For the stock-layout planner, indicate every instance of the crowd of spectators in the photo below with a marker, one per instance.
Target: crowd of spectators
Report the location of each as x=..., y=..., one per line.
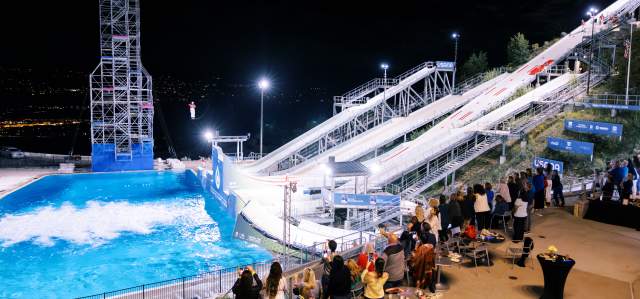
x=620, y=180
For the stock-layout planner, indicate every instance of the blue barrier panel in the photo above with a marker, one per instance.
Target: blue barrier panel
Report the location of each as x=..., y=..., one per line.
x=593, y=127
x=611, y=106
x=103, y=157
x=572, y=146
x=542, y=162
x=365, y=200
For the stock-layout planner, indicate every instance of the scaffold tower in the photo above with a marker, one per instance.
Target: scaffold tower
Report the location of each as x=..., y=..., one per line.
x=121, y=93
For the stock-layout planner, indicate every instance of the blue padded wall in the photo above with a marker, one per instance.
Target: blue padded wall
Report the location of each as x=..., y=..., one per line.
x=103, y=158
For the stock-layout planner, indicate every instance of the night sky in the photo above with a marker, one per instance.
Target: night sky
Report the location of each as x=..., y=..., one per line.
x=299, y=44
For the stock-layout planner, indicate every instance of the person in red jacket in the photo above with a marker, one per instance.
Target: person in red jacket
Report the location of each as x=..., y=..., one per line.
x=368, y=254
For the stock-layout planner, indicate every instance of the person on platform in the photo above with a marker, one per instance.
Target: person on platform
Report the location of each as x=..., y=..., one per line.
x=488, y=189
x=244, y=286
x=393, y=256
x=557, y=188
x=538, y=186
x=374, y=280
x=627, y=187
x=468, y=211
x=369, y=253
x=443, y=209
x=275, y=284
x=327, y=263
x=607, y=189
x=339, y=286
x=503, y=189
x=481, y=207
x=455, y=213
x=514, y=188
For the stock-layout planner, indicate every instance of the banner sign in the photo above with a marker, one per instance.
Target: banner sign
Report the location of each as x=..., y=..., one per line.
x=593, y=127
x=611, y=106
x=445, y=64
x=572, y=146
x=365, y=200
x=542, y=162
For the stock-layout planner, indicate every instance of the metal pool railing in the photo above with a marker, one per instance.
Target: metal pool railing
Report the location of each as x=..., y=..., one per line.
x=205, y=285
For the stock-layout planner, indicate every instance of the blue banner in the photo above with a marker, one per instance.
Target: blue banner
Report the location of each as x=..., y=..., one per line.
x=593, y=127
x=542, y=162
x=445, y=64
x=572, y=146
x=365, y=200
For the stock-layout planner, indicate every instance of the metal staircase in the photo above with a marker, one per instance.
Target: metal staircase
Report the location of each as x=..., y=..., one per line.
x=362, y=93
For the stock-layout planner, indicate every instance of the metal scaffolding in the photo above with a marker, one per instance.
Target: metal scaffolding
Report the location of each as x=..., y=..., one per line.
x=120, y=87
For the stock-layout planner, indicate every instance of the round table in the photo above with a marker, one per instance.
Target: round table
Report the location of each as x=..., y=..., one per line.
x=411, y=293
x=555, y=273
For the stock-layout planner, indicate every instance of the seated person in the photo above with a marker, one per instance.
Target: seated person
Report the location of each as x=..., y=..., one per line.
x=501, y=205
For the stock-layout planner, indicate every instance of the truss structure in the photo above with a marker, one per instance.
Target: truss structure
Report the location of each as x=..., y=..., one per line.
x=120, y=87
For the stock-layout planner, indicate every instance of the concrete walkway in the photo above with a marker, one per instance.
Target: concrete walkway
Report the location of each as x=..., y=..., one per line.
x=13, y=178
x=606, y=257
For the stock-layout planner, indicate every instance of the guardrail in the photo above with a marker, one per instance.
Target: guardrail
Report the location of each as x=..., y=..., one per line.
x=203, y=285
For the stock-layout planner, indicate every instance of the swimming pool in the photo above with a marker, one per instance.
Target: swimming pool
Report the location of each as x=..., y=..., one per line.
x=72, y=235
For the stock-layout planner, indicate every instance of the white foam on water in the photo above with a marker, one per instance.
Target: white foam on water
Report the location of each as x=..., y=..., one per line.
x=99, y=222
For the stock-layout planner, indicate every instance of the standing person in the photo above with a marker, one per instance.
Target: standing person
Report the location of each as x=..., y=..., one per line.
x=488, y=189
x=538, y=186
x=244, y=286
x=339, y=286
x=428, y=235
x=547, y=184
x=308, y=284
x=275, y=284
x=481, y=206
x=455, y=213
x=607, y=189
x=327, y=263
x=374, y=281
x=636, y=164
x=423, y=265
x=369, y=254
x=468, y=211
x=355, y=271
x=556, y=185
x=519, y=218
x=503, y=190
x=393, y=256
x=443, y=209
x=514, y=188
x=434, y=222
x=627, y=187
x=527, y=195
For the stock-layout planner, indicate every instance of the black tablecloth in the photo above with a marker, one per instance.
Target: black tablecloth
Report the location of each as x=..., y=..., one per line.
x=613, y=213
x=555, y=275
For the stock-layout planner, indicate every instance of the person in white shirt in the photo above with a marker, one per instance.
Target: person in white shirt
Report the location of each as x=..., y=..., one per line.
x=519, y=218
x=481, y=207
x=275, y=284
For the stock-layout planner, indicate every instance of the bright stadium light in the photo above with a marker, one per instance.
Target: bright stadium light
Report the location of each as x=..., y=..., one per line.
x=384, y=66
x=326, y=169
x=208, y=135
x=264, y=84
x=455, y=35
x=592, y=12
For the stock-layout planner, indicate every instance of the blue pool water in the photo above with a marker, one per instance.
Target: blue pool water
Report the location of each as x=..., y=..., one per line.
x=73, y=235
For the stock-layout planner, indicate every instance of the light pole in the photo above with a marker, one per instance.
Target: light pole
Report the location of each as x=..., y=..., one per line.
x=263, y=84
x=384, y=68
x=626, y=91
x=592, y=16
x=455, y=37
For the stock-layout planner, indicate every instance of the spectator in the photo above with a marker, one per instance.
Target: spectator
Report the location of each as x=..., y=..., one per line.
x=627, y=187
x=244, y=287
x=519, y=218
x=556, y=185
x=428, y=235
x=423, y=264
x=607, y=189
x=503, y=189
x=526, y=194
x=275, y=283
x=636, y=164
x=481, y=206
x=538, y=186
x=407, y=239
x=308, y=286
x=339, y=286
x=327, y=261
x=468, y=212
x=617, y=172
x=443, y=208
x=514, y=188
x=501, y=205
x=374, y=281
x=434, y=221
x=393, y=255
x=490, y=194
x=415, y=225
x=547, y=184
x=368, y=254
x=455, y=213
x=355, y=271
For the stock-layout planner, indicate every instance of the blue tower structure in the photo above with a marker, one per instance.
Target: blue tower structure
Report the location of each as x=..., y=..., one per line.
x=121, y=93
